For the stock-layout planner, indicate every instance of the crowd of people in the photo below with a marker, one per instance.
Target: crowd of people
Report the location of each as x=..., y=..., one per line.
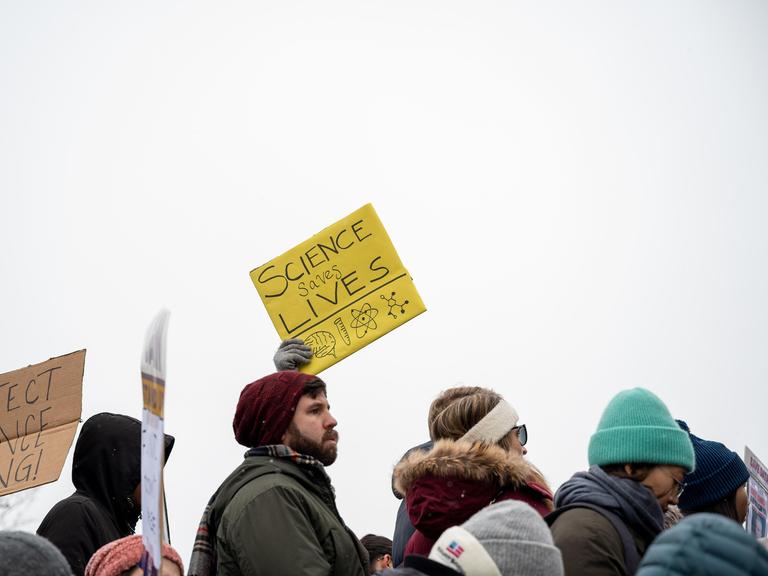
x=656, y=499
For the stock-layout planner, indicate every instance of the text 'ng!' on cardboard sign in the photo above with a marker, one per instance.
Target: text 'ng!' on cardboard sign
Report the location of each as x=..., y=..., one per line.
x=340, y=290
x=40, y=408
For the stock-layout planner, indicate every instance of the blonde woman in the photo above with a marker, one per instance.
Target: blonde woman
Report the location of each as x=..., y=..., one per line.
x=477, y=459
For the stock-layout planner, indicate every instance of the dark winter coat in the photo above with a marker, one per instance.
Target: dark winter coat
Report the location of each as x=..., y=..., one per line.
x=587, y=539
x=403, y=527
x=448, y=484
x=283, y=521
x=106, y=469
x=420, y=566
x=704, y=544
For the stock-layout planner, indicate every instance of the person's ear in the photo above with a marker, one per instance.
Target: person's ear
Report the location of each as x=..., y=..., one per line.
x=286, y=437
x=388, y=560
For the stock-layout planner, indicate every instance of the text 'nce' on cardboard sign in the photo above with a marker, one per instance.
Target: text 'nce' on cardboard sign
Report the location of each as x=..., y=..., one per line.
x=340, y=290
x=40, y=408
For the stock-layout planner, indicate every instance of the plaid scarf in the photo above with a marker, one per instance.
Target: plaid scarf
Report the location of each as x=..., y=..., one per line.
x=283, y=451
x=203, y=560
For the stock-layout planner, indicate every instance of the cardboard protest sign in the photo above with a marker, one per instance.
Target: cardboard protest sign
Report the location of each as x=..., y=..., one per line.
x=40, y=408
x=153, y=443
x=758, y=495
x=340, y=290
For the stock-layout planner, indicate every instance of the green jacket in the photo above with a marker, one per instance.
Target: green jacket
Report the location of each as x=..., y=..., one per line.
x=590, y=544
x=275, y=516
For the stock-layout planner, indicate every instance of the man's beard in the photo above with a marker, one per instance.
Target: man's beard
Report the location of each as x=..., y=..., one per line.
x=303, y=445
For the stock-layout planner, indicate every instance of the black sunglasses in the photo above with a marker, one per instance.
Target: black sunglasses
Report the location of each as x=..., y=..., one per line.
x=522, y=434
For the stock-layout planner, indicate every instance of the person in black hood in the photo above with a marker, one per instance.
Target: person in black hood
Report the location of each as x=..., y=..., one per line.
x=106, y=505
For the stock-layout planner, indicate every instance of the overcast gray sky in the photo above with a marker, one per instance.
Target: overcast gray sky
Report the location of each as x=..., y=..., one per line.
x=579, y=190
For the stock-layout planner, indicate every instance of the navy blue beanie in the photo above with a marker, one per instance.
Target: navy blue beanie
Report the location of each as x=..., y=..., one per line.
x=719, y=472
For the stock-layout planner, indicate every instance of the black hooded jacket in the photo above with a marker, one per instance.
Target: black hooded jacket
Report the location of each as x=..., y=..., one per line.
x=106, y=470
x=403, y=527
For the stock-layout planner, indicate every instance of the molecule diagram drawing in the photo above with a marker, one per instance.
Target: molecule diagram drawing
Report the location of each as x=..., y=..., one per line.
x=393, y=304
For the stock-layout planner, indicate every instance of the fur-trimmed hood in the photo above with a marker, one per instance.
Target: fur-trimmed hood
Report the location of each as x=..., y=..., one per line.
x=455, y=479
x=450, y=459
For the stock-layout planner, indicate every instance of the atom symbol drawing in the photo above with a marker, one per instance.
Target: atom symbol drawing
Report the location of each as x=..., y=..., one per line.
x=363, y=320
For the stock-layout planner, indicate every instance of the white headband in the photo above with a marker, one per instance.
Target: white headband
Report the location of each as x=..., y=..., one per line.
x=494, y=425
x=460, y=550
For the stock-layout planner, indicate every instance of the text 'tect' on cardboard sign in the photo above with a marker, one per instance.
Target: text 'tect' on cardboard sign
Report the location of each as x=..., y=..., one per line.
x=40, y=408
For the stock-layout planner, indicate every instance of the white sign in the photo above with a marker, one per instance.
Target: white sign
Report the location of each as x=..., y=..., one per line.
x=153, y=443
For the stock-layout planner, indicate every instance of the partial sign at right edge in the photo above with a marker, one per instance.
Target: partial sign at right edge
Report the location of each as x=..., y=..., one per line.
x=758, y=495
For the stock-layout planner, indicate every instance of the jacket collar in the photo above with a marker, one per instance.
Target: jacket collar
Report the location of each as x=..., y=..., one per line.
x=458, y=459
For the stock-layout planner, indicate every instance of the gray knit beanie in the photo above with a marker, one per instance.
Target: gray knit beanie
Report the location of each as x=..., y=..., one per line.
x=505, y=539
x=25, y=554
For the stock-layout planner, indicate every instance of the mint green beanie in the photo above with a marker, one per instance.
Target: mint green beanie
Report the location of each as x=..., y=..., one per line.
x=636, y=427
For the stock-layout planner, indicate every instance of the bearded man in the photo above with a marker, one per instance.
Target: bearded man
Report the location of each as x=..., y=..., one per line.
x=276, y=513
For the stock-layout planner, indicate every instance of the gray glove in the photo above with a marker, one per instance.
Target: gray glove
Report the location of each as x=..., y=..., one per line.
x=291, y=354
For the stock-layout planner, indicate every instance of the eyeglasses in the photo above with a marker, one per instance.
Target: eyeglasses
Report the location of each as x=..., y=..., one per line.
x=522, y=434
x=680, y=486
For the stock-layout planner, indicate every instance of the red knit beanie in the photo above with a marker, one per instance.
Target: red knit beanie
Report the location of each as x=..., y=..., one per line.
x=120, y=555
x=266, y=407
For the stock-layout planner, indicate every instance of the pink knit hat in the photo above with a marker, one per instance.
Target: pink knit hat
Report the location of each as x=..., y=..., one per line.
x=116, y=557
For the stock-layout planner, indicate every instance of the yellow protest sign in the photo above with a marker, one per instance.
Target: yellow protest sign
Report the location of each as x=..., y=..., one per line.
x=340, y=290
x=40, y=408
